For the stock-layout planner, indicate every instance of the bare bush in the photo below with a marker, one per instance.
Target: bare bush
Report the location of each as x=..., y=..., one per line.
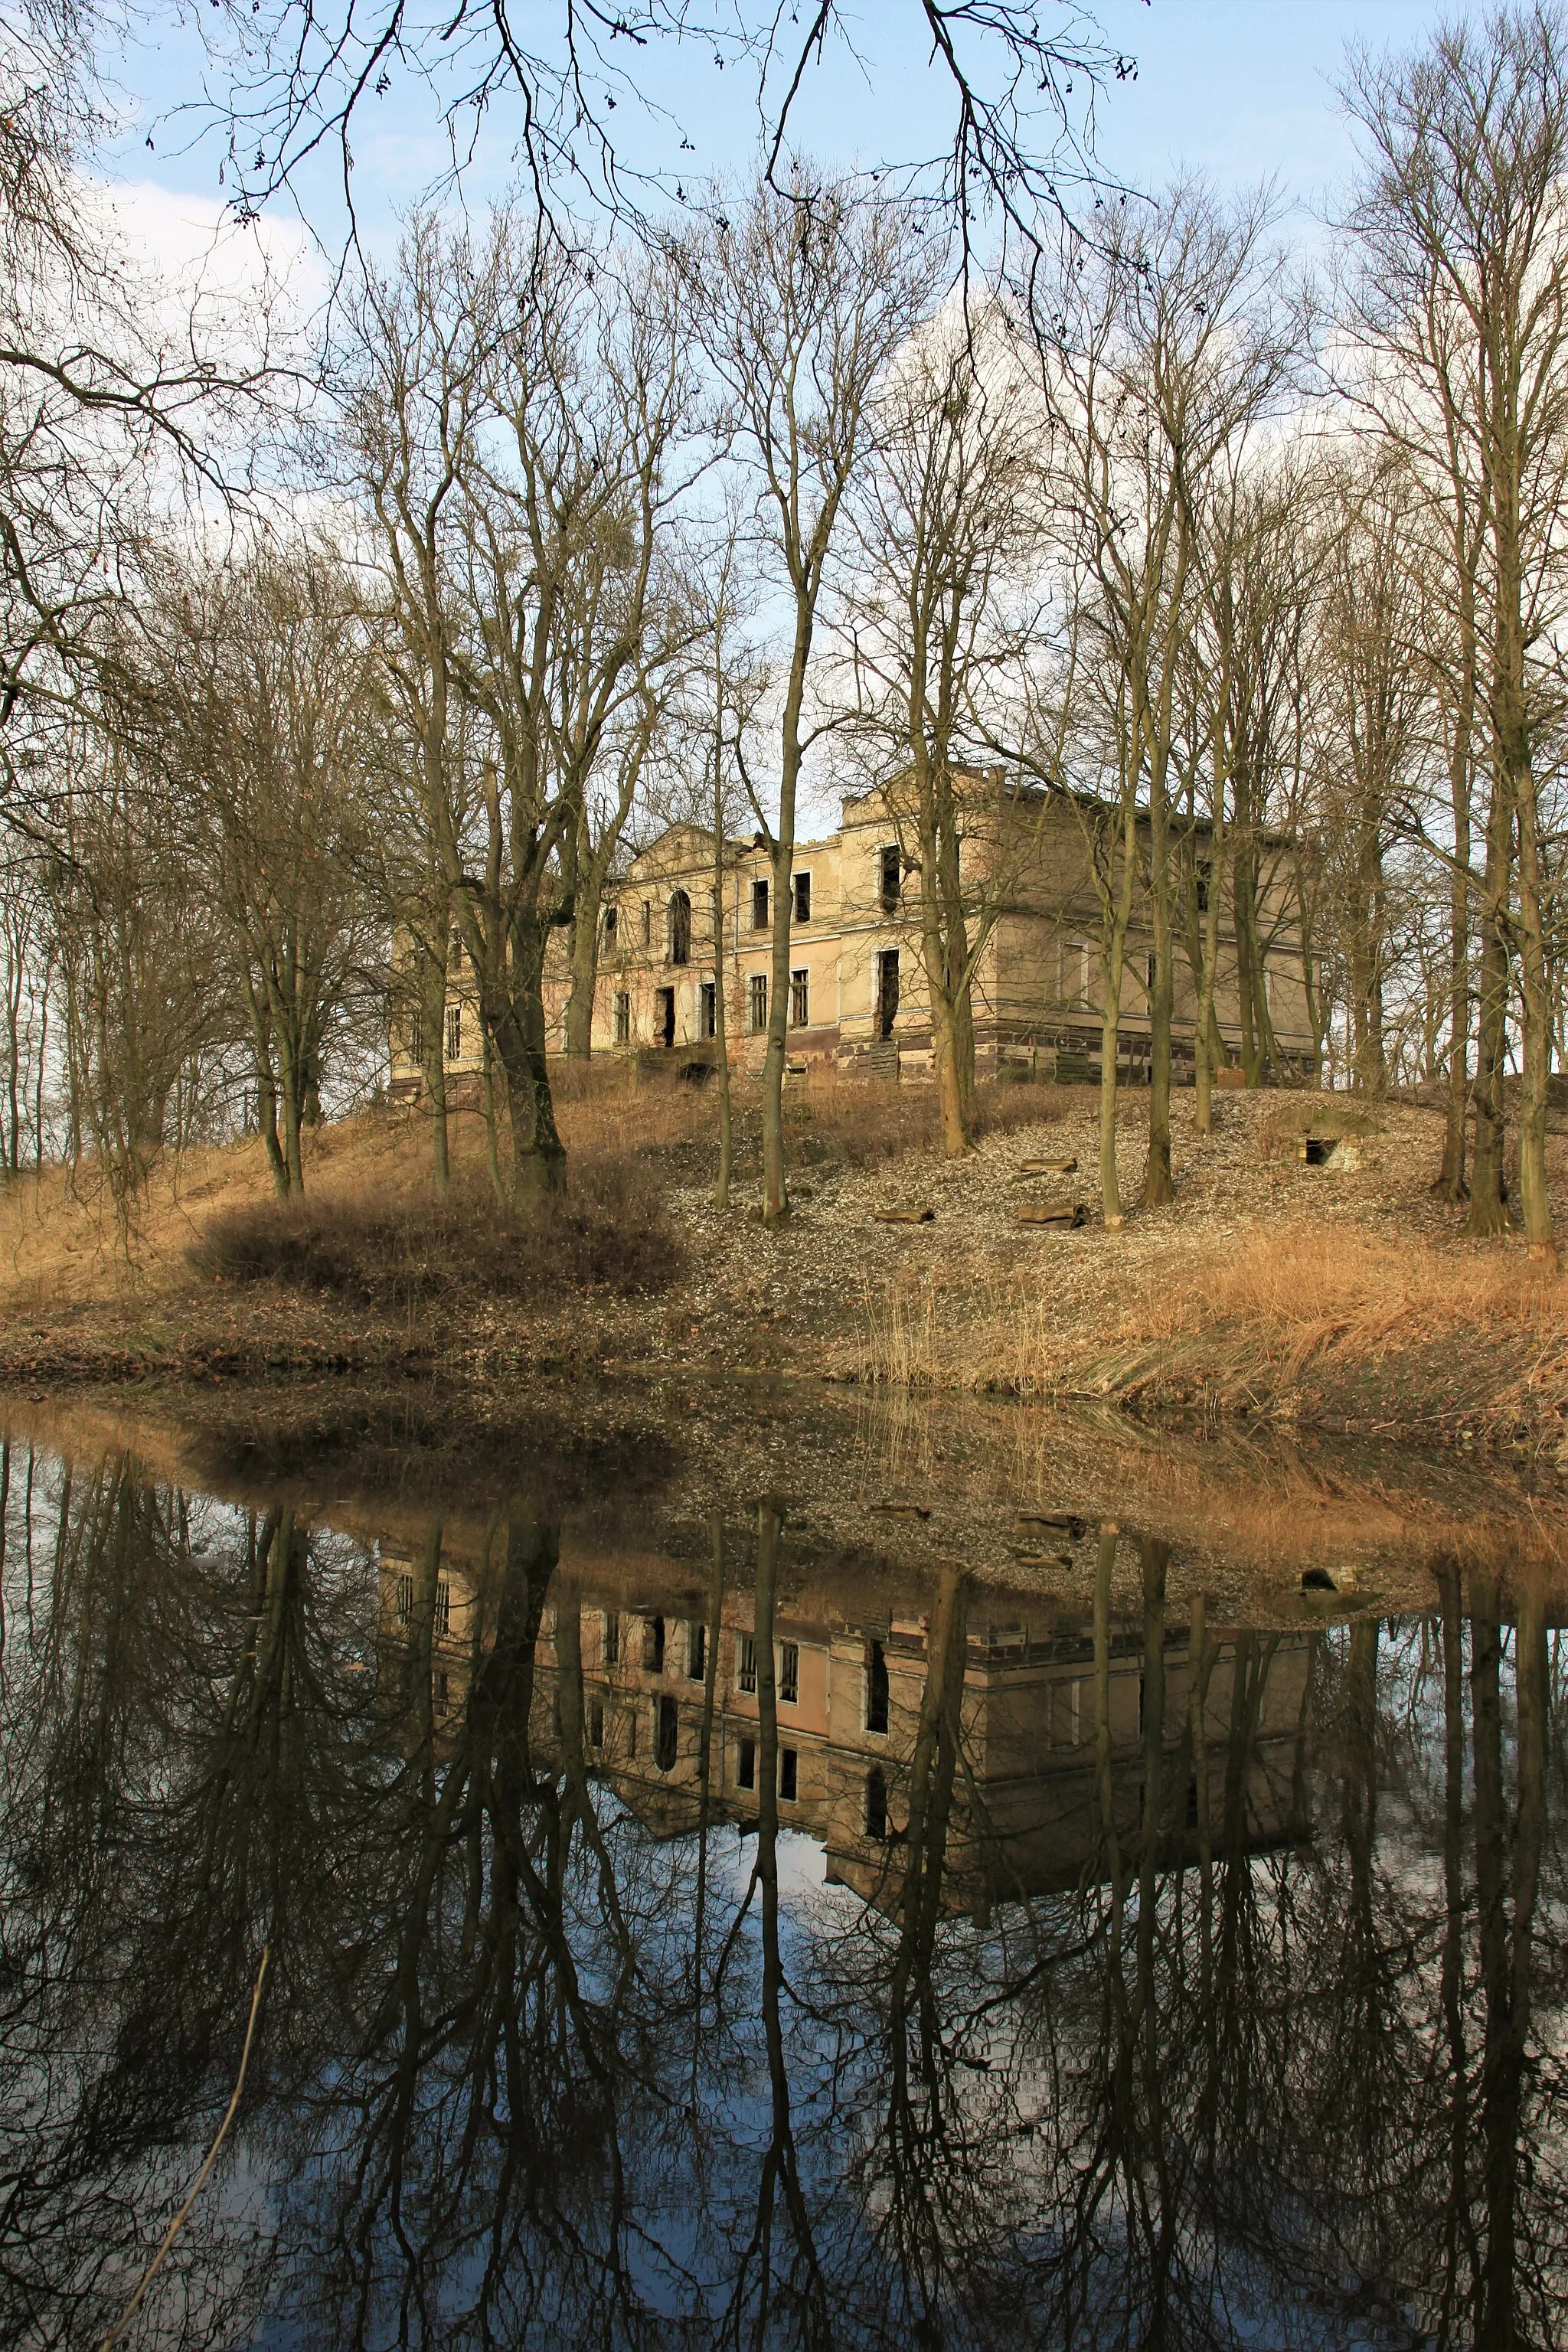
x=395, y=1250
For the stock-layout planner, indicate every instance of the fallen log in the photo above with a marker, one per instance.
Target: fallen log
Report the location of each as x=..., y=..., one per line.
x=903, y=1216
x=1030, y=1167
x=902, y=1510
x=1068, y=1522
x=1065, y=1215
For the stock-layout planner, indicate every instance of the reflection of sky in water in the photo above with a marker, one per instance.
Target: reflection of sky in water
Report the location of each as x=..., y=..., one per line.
x=1230, y=2086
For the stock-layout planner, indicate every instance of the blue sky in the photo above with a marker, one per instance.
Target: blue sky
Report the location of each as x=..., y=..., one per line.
x=1239, y=88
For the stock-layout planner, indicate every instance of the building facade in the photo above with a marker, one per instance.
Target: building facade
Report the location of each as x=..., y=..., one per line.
x=856, y=984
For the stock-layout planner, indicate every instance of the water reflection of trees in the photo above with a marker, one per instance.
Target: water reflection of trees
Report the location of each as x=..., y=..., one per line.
x=530, y=2073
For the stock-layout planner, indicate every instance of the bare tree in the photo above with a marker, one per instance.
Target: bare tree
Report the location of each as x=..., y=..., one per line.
x=940, y=620
x=811, y=293
x=1460, y=306
x=265, y=722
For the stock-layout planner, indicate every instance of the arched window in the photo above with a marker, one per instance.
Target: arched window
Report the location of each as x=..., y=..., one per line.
x=680, y=928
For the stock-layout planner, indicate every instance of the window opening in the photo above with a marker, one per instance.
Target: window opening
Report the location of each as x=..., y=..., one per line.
x=802, y=898
x=876, y=1687
x=789, y=1674
x=746, y=1661
x=759, y=906
x=596, y=1723
x=746, y=1764
x=623, y=1017
x=416, y=1036
x=696, y=1651
x=653, y=1645
x=454, y=1032
x=1205, y=876
x=876, y=1802
x=664, y=1017
x=455, y=954
x=612, y=1637
x=789, y=1775
x=610, y=927
x=679, y=928
x=405, y=1597
x=647, y=922
x=799, y=1000
x=759, y=1001
x=443, y=1606
x=892, y=880
x=708, y=1010
x=668, y=1725
x=632, y=1733
x=438, y=1691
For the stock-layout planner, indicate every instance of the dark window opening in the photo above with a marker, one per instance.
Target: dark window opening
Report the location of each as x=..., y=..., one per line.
x=653, y=1645
x=455, y=957
x=1192, y=1802
x=876, y=1687
x=664, y=1017
x=416, y=1036
x=443, y=1608
x=1152, y=968
x=887, y=990
x=454, y=1032
x=1320, y=1151
x=708, y=1010
x=680, y=928
x=892, y=880
x=1205, y=872
x=802, y=898
x=759, y=906
x=789, y=1775
x=800, y=1000
x=647, y=922
x=623, y=1017
x=696, y=1651
x=596, y=1723
x=759, y=1002
x=612, y=1638
x=609, y=926
x=439, y=1690
x=632, y=1733
x=406, y=1598
x=789, y=1674
x=746, y=1663
x=746, y=1764
x=669, y=1724
x=876, y=1802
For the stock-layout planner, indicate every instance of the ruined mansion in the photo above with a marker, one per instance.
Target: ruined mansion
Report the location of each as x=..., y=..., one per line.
x=858, y=991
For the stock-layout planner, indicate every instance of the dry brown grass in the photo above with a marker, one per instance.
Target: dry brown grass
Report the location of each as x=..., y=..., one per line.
x=1300, y=1301
x=1286, y=1306
x=1305, y=1289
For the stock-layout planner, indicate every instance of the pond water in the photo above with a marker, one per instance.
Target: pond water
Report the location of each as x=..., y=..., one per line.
x=725, y=1945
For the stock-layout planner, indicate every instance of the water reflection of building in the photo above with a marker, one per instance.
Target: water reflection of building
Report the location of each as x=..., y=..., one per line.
x=622, y=1669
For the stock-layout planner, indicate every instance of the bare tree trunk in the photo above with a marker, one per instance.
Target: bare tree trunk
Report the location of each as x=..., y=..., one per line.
x=1488, y=1212
x=1534, y=1198
x=1158, y=1185
x=1113, y=956
x=721, y=1014
x=434, y=995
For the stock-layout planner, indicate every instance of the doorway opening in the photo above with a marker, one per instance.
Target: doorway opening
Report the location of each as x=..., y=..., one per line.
x=887, y=990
